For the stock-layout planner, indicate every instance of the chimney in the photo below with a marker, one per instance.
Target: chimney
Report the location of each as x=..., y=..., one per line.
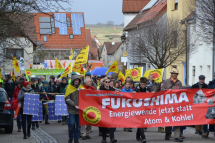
x=113, y=43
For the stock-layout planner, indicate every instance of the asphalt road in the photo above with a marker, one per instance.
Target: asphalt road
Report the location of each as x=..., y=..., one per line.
x=60, y=132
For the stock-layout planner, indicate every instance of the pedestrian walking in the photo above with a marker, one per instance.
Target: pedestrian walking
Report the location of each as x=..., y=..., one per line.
x=140, y=135
x=174, y=84
x=25, y=89
x=106, y=86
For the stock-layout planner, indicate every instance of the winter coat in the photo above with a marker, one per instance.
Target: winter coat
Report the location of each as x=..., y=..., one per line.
x=152, y=87
x=125, y=90
x=93, y=84
x=36, y=88
x=9, y=88
x=198, y=86
x=15, y=102
x=61, y=88
x=72, y=99
x=53, y=87
x=21, y=94
x=103, y=88
x=169, y=84
x=139, y=89
x=211, y=84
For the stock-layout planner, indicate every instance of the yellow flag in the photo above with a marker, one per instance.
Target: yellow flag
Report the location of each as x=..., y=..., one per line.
x=58, y=64
x=82, y=56
x=70, y=89
x=156, y=73
x=71, y=56
x=135, y=73
x=121, y=77
x=0, y=74
x=16, y=65
x=103, y=65
x=113, y=68
x=13, y=75
x=78, y=68
x=66, y=72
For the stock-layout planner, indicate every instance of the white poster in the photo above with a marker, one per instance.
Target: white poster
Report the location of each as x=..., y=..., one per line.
x=22, y=64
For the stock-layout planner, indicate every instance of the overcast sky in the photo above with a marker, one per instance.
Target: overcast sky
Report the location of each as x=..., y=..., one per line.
x=99, y=10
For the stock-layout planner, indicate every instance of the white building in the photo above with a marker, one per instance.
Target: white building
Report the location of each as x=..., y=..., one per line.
x=200, y=55
x=131, y=8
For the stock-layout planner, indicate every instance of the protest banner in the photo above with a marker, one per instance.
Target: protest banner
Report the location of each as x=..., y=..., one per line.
x=156, y=73
x=167, y=108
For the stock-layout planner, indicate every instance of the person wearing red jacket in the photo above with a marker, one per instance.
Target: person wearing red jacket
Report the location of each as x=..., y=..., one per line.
x=85, y=130
x=15, y=103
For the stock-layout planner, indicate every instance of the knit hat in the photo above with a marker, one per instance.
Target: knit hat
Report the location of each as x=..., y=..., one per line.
x=87, y=74
x=201, y=77
x=74, y=73
x=64, y=78
x=45, y=82
x=25, y=83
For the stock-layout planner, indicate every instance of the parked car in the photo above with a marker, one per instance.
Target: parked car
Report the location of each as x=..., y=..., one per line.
x=6, y=120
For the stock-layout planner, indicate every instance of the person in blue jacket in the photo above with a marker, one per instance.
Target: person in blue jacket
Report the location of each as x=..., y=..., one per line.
x=127, y=89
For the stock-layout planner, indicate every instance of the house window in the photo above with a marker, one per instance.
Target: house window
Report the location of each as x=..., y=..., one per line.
x=176, y=5
x=108, y=57
x=68, y=22
x=14, y=52
x=175, y=38
x=71, y=36
x=46, y=24
x=44, y=38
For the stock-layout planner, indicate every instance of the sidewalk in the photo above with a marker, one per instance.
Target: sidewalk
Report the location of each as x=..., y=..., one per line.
x=15, y=137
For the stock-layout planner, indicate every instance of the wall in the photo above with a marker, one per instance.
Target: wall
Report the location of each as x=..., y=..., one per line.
x=201, y=58
x=28, y=48
x=104, y=54
x=128, y=18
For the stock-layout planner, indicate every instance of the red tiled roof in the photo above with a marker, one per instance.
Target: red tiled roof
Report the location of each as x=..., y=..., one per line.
x=134, y=5
x=111, y=48
x=57, y=41
x=154, y=11
x=89, y=40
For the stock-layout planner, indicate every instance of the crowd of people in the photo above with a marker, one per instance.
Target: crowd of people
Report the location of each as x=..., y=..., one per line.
x=70, y=87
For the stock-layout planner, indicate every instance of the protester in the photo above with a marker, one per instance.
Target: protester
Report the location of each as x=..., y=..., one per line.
x=46, y=96
x=140, y=135
x=15, y=103
x=59, y=80
x=132, y=84
x=127, y=89
x=111, y=83
x=25, y=89
x=199, y=128
x=117, y=86
x=109, y=77
x=85, y=130
x=37, y=89
x=172, y=83
x=9, y=88
x=88, y=75
x=52, y=84
x=71, y=98
x=120, y=83
x=151, y=85
x=42, y=79
x=62, y=89
x=106, y=86
x=70, y=80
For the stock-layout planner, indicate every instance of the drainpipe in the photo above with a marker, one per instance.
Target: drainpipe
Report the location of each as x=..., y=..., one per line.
x=187, y=54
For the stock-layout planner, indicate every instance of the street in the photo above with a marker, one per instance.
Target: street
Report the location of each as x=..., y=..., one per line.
x=58, y=133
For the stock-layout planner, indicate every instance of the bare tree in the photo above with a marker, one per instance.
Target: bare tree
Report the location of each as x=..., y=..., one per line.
x=16, y=21
x=160, y=43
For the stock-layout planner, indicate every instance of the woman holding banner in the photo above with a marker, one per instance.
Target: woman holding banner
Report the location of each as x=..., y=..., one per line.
x=106, y=86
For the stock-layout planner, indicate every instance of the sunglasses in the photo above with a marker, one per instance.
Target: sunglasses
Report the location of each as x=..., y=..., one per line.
x=107, y=81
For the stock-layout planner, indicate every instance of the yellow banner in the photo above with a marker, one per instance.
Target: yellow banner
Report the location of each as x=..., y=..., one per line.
x=71, y=56
x=156, y=73
x=58, y=64
x=82, y=57
x=16, y=65
x=121, y=77
x=66, y=72
x=78, y=68
x=113, y=68
x=135, y=73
